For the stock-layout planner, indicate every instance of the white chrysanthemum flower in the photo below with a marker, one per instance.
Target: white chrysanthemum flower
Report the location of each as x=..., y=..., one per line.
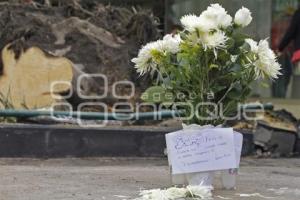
x=216, y=16
x=253, y=45
x=216, y=40
x=144, y=62
x=225, y=21
x=205, y=25
x=266, y=64
x=176, y=193
x=213, y=18
x=189, y=22
x=171, y=43
x=203, y=192
x=243, y=17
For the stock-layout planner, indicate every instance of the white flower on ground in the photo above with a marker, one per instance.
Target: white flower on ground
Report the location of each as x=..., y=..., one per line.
x=155, y=194
x=144, y=62
x=243, y=17
x=171, y=43
x=216, y=17
x=203, y=192
x=176, y=193
x=216, y=40
x=253, y=45
x=267, y=64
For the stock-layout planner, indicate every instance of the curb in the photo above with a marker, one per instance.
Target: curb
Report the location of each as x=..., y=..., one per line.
x=48, y=141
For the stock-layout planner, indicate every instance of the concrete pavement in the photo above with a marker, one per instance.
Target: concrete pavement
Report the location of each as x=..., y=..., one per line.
x=122, y=178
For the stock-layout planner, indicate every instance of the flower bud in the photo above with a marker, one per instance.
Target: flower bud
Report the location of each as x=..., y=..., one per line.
x=243, y=17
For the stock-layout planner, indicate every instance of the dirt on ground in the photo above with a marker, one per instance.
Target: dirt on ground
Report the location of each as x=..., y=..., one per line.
x=97, y=39
x=122, y=178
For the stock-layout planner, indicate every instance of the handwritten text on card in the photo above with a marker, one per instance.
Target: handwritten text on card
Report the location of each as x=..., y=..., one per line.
x=201, y=150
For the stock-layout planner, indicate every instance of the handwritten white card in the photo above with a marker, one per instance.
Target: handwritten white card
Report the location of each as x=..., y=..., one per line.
x=193, y=150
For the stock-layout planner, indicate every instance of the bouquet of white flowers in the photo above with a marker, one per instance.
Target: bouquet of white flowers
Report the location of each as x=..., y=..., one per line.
x=208, y=67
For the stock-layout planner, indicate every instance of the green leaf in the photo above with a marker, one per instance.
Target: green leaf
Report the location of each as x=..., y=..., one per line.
x=236, y=68
x=230, y=108
x=246, y=92
x=246, y=47
x=223, y=56
x=183, y=35
x=239, y=39
x=230, y=43
x=234, y=94
x=218, y=88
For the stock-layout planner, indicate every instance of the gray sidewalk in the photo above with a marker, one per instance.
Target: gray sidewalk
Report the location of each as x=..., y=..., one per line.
x=121, y=178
